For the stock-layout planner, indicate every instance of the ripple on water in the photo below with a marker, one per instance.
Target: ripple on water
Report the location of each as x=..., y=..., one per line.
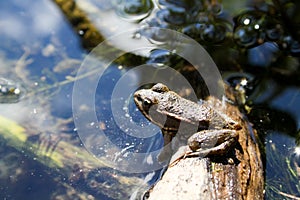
x=134, y=10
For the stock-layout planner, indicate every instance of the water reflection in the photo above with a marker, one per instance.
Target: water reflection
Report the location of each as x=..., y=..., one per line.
x=27, y=22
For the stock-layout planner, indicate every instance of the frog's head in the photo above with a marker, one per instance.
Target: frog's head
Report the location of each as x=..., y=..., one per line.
x=147, y=101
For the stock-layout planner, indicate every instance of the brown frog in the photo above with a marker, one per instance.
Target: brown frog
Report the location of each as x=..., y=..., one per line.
x=203, y=127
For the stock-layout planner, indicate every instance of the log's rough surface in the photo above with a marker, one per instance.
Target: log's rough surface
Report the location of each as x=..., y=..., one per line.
x=238, y=175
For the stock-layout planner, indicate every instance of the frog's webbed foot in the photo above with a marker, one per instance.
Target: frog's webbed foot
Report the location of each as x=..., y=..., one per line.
x=217, y=150
x=182, y=156
x=179, y=154
x=166, y=152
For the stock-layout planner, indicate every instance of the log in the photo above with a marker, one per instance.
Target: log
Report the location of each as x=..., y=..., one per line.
x=238, y=175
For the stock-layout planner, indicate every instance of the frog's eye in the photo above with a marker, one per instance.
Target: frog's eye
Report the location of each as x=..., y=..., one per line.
x=147, y=102
x=160, y=88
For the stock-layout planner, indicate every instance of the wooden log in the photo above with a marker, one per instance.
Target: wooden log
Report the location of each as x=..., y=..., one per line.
x=238, y=175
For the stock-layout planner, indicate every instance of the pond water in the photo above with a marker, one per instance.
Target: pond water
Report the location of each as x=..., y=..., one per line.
x=69, y=128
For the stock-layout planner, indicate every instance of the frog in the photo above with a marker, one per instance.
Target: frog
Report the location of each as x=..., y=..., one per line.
x=202, y=128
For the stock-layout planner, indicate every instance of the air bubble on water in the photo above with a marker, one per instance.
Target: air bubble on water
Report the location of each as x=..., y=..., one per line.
x=256, y=26
x=4, y=89
x=158, y=57
x=10, y=91
x=134, y=10
x=137, y=35
x=17, y=91
x=246, y=21
x=244, y=82
x=81, y=32
x=120, y=67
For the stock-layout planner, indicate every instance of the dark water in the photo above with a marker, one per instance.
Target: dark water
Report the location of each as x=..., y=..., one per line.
x=255, y=46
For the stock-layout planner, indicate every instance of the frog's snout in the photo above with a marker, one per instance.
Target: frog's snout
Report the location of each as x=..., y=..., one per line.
x=137, y=97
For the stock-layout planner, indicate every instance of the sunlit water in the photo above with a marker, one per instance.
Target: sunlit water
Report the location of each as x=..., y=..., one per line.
x=39, y=53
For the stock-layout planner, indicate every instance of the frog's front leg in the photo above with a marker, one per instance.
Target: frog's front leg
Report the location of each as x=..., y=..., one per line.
x=166, y=152
x=211, y=142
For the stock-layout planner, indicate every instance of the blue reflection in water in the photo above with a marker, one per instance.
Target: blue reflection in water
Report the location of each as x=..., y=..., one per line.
x=104, y=113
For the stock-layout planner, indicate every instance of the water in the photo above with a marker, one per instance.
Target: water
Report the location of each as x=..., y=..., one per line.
x=40, y=55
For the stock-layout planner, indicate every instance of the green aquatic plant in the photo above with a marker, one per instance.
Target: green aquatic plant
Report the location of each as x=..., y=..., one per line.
x=282, y=175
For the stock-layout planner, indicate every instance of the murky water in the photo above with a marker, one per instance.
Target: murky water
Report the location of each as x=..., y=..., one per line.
x=44, y=154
